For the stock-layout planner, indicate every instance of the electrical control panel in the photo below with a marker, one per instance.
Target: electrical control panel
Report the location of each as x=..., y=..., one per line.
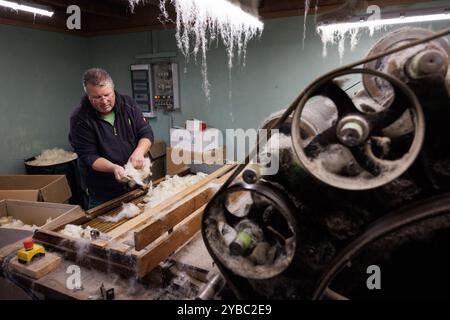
x=166, y=92
x=141, y=81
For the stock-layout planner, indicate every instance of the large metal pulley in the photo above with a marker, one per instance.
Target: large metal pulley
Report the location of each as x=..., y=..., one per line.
x=367, y=145
x=428, y=60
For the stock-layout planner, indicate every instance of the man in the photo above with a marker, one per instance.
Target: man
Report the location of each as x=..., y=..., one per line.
x=106, y=131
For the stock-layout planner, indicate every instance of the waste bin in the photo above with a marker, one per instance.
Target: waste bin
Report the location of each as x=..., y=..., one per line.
x=68, y=168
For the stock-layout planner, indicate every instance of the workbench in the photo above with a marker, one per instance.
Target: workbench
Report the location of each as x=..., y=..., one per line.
x=166, y=259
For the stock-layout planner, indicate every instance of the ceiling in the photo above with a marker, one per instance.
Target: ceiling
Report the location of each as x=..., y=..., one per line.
x=115, y=16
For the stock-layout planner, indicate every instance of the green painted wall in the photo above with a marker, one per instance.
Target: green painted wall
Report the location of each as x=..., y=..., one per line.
x=40, y=83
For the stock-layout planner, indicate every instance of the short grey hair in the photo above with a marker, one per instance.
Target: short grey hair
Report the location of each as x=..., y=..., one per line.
x=97, y=77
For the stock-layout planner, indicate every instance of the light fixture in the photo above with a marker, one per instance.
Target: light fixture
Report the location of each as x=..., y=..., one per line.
x=336, y=32
x=225, y=12
x=389, y=19
x=27, y=8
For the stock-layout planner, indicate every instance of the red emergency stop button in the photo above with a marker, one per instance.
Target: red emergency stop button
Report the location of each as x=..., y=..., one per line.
x=28, y=244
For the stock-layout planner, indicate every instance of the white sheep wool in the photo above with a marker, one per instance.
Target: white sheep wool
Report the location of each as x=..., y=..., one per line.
x=129, y=210
x=52, y=157
x=169, y=187
x=77, y=232
x=11, y=223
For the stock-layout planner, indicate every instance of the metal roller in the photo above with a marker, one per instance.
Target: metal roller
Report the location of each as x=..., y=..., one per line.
x=252, y=230
x=353, y=153
x=428, y=60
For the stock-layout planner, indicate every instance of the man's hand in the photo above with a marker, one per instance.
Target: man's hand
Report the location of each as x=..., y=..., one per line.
x=137, y=160
x=104, y=165
x=119, y=174
x=137, y=157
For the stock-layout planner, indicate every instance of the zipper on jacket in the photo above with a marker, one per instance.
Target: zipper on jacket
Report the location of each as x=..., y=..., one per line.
x=113, y=126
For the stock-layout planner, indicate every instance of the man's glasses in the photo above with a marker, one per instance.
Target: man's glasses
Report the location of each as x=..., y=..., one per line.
x=100, y=98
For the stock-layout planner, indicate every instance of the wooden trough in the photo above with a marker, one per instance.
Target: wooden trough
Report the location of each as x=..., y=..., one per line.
x=135, y=246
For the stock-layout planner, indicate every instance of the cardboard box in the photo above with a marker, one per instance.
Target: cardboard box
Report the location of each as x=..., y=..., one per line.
x=34, y=213
x=158, y=156
x=210, y=157
x=172, y=168
x=196, y=141
x=47, y=188
x=195, y=125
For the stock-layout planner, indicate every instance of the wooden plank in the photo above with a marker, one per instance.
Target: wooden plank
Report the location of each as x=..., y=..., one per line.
x=98, y=248
x=74, y=216
x=52, y=289
x=10, y=249
x=293, y=11
x=117, y=202
x=91, y=256
x=119, y=247
x=142, y=218
x=38, y=268
x=153, y=230
x=220, y=181
x=122, y=258
x=99, y=243
x=202, y=198
x=174, y=241
x=50, y=233
x=54, y=285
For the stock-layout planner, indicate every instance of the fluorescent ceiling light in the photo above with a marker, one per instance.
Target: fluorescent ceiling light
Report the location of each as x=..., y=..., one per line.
x=380, y=22
x=336, y=32
x=16, y=6
x=220, y=11
x=228, y=13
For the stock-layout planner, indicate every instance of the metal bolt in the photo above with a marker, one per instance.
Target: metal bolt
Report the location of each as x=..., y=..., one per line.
x=242, y=242
x=352, y=131
x=252, y=174
x=428, y=63
x=351, y=134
